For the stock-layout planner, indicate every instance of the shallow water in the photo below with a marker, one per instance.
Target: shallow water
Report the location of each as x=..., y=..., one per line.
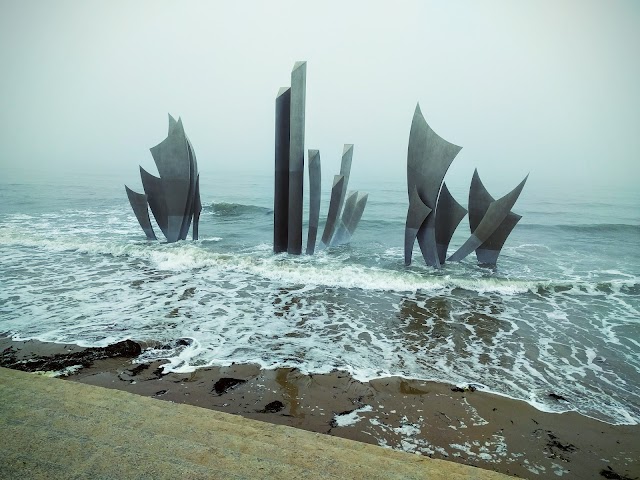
x=559, y=315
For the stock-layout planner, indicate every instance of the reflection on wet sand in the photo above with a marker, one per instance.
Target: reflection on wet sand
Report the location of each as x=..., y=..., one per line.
x=440, y=320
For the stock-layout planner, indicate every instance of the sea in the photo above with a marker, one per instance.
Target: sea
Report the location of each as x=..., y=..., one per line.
x=559, y=316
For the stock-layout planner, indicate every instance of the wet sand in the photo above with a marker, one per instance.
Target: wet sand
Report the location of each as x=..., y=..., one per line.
x=441, y=421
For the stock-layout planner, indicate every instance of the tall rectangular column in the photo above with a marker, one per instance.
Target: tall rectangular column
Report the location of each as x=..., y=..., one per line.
x=296, y=157
x=314, y=200
x=281, y=188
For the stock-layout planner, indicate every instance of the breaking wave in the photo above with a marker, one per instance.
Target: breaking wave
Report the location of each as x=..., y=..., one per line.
x=613, y=228
x=224, y=209
x=322, y=270
x=556, y=316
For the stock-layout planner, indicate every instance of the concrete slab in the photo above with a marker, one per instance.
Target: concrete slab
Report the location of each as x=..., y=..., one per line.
x=52, y=428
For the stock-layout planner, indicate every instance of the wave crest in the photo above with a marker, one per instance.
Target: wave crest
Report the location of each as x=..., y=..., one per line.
x=224, y=209
x=586, y=228
x=322, y=270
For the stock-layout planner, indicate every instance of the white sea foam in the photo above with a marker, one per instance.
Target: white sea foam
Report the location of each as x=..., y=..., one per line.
x=326, y=272
x=351, y=418
x=65, y=372
x=520, y=335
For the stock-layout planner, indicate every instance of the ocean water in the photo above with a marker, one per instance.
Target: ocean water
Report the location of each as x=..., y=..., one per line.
x=560, y=314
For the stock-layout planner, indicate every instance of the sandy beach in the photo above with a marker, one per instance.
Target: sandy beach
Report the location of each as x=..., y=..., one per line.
x=463, y=425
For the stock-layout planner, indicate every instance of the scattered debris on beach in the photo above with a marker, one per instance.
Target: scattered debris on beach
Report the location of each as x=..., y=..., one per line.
x=454, y=422
x=68, y=363
x=225, y=384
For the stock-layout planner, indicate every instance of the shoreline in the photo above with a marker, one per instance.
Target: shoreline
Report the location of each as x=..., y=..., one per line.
x=442, y=421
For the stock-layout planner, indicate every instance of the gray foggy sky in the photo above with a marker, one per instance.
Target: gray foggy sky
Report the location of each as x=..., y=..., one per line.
x=550, y=87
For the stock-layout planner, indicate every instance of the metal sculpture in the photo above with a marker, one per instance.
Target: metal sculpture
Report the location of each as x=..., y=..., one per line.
x=314, y=200
x=449, y=215
x=174, y=196
x=289, y=178
x=416, y=215
x=281, y=192
x=353, y=209
x=337, y=203
x=296, y=157
x=289, y=163
x=197, y=209
x=479, y=201
x=428, y=159
x=152, y=186
x=491, y=221
x=433, y=214
x=345, y=171
x=334, y=205
x=138, y=202
x=338, y=231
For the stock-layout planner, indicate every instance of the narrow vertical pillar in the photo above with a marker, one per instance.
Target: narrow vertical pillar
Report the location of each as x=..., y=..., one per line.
x=334, y=203
x=354, y=218
x=353, y=210
x=281, y=189
x=340, y=231
x=345, y=170
x=296, y=157
x=314, y=200
x=197, y=208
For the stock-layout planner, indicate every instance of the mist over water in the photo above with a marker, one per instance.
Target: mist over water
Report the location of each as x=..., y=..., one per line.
x=559, y=315
x=547, y=87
